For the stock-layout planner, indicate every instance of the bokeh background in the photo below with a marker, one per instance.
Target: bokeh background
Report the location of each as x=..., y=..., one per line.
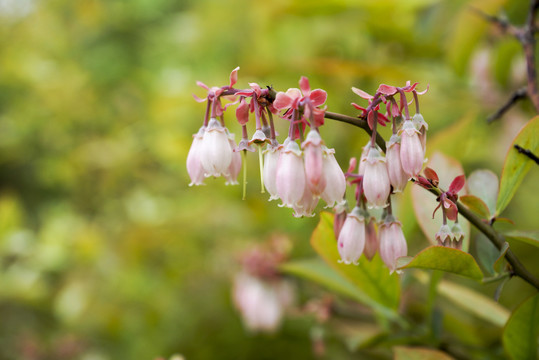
x=106, y=253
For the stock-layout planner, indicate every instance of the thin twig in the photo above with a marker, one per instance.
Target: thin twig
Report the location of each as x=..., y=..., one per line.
x=527, y=152
x=517, y=95
x=359, y=122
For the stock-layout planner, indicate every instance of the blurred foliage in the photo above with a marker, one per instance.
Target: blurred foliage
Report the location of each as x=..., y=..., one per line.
x=105, y=253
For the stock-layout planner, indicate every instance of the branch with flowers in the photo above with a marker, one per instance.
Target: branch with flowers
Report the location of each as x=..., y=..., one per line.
x=300, y=176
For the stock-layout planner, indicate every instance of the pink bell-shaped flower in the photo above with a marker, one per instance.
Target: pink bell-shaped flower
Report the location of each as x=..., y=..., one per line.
x=215, y=152
x=313, y=159
x=351, y=240
x=194, y=165
x=306, y=205
x=392, y=242
x=371, y=239
x=335, y=181
x=290, y=175
x=269, y=173
x=376, y=179
x=235, y=164
x=411, y=151
x=397, y=177
x=458, y=235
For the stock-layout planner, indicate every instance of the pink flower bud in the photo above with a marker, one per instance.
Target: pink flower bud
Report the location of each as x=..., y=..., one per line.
x=312, y=148
x=215, y=152
x=290, y=178
x=335, y=180
x=235, y=164
x=194, y=165
x=371, y=240
x=351, y=240
x=271, y=159
x=412, y=155
x=338, y=222
x=444, y=236
x=306, y=205
x=392, y=243
x=397, y=177
x=376, y=179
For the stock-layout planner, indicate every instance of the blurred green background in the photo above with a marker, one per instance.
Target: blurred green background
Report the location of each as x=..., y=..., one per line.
x=106, y=253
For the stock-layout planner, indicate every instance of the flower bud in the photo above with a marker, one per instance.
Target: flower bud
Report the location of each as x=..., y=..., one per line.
x=335, y=180
x=215, y=152
x=351, y=240
x=411, y=150
x=371, y=239
x=194, y=165
x=397, y=177
x=290, y=175
x=392, y=243
x=376, y=179
x=444, y=236
x=312, y=149
x=269, y=173
x=338, y=222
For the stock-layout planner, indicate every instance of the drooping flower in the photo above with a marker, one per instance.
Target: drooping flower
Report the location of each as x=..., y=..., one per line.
x=421, y=126
x=411, y=151
x=397, y=177
x=363, y=159
x=371, y=239
x=271, y=159
x=458, y=236
x=235, y=163
x=351, y=241
x=306, y=205
x=194, y=163
x=392, y=242
x=376, y=179
x=334, y=177
x=314, y=161
x=290, y=175
x=215, y=151
x=444, y=236
x=340, y=218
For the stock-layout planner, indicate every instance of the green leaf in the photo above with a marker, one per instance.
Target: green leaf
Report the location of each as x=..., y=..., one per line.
x=485, y=185
x=424, y=202
x=418, y=353
x=499, y=261
x=517, y=165
x=522, y=331
x=476, y=205
x=372, y=278
x=486, y=253
x=529, y=237
x=318, y=271
x=446, y=259
x=470, y=300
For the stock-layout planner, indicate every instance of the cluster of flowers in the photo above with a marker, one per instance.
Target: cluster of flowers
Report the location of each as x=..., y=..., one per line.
x=379, y=176
x=299, y=176
x=302, y=169
x=260, y=293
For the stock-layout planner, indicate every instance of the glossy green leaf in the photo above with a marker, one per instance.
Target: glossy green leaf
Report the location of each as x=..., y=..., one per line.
x=499, y=261
x=372, y=278
x=487, y=253
x=467, y=299
x=485, y=185
x=446, y=259
x=521, y=334
x=529, y=237
x=517, y=165
x=424, y=202
x=318, y=271
x=476, y=205
x=418, y=353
